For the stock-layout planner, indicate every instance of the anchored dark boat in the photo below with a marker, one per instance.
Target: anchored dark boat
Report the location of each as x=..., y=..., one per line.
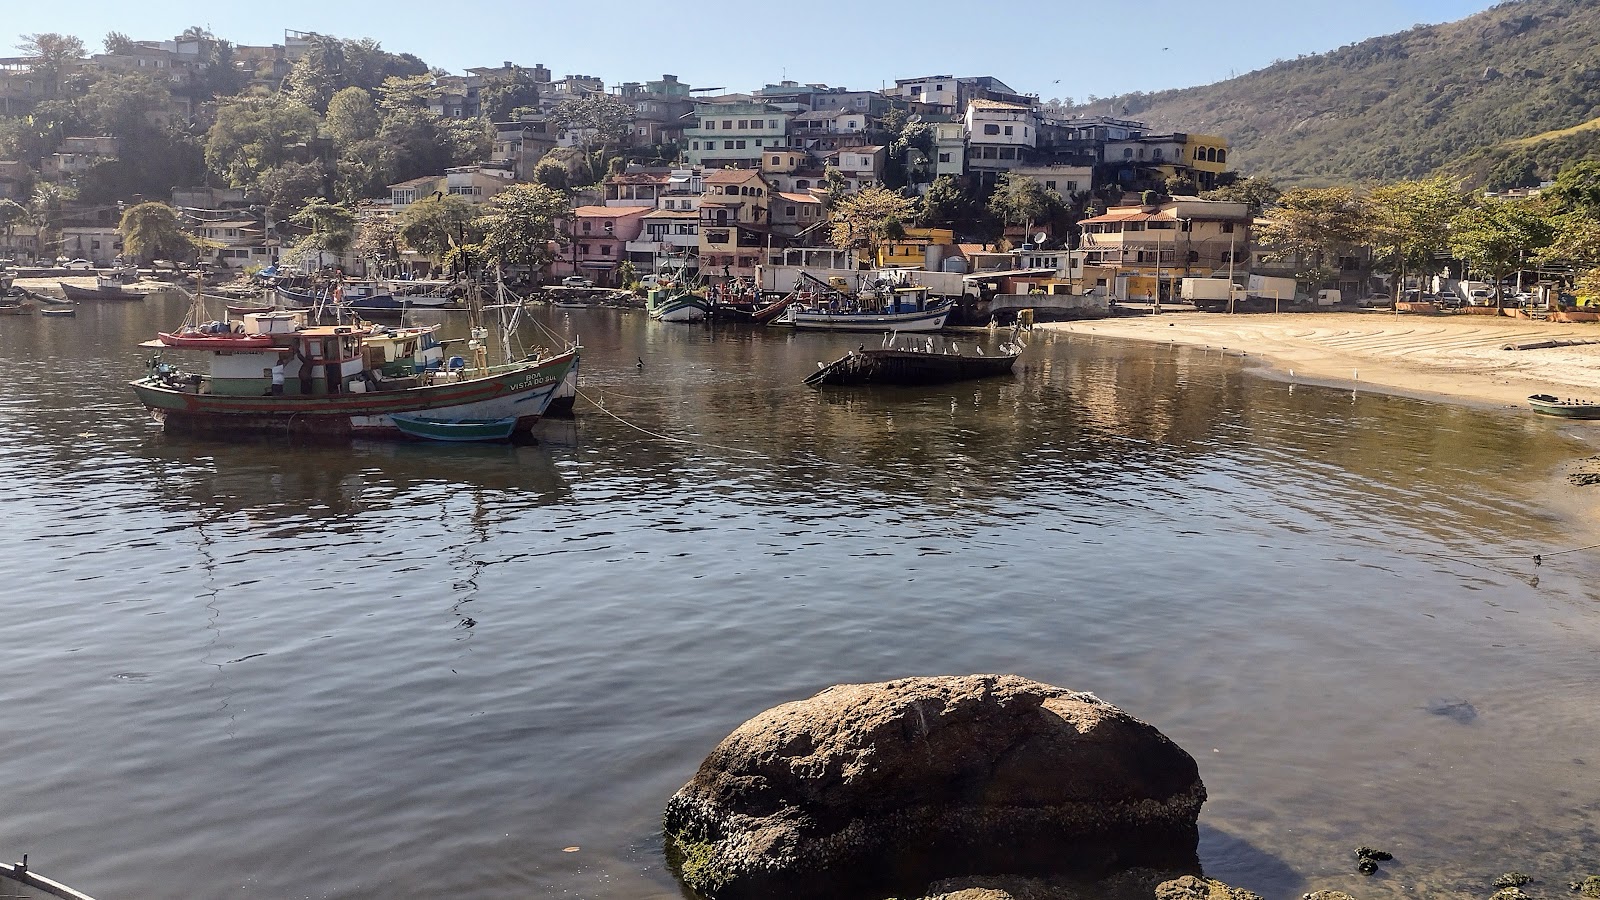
x=79, y=294
x=1549, y=405
x=912, y=361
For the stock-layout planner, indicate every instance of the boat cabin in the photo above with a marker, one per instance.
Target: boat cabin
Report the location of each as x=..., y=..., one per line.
x=401, y=352
x=327, y=359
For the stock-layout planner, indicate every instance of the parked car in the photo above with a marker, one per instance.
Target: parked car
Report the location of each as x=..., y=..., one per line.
x=76, y=264
x=576, y=281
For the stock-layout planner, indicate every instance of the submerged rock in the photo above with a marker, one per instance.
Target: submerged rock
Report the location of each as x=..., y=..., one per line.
x=1189, y=887
x=1452, y=708
x=1134, y=884
x=1588, y=887
x=1327, y=895
x=1512, y=879
x=889, y=787
x=1510, y=893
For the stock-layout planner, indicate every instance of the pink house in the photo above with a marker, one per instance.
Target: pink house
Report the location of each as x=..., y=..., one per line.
x=599, y=235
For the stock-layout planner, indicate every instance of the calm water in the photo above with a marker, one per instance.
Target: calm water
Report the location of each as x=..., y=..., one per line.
x=270, y=670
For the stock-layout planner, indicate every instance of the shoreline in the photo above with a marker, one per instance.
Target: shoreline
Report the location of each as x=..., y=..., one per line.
x=1458, y=360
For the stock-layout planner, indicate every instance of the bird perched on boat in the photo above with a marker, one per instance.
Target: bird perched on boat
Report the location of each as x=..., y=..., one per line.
x=641, y=362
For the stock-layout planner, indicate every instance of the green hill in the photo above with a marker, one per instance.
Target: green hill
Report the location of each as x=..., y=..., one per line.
x=1452, y=96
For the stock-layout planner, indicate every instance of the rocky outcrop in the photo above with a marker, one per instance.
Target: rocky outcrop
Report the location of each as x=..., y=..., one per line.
x=889, y=787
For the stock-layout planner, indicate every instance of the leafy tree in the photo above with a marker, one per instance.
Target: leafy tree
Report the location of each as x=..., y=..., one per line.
x=866, y=218
x=48, y=208
x=253, y=136
x=289, y=185
x=1577, y=188
x=117, y=43
x=597, y=122
x=628, y=275
x=49, y=56
x=552, y=173
x=946, y=204
x=837, y=185
x=432, y=226
x=12, y=214
x=1316, y=226
x=121, y=103
x=505, y=92
x=1019, y=200
x=522, y=224
x=153, y=230
x=1260, y=193
x=352, y=117
x=1409, y=223
x=378, y=242
x=1496, y=237
x=317, y=75
x=330, y=228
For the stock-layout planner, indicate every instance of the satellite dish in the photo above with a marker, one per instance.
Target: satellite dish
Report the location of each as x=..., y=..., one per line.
x=1039, y=238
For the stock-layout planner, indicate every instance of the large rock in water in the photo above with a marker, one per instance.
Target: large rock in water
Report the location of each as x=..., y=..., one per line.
x=887, y=787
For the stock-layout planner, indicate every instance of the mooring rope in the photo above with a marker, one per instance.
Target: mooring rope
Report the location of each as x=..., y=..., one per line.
x=669, y=438
x=1538, y=558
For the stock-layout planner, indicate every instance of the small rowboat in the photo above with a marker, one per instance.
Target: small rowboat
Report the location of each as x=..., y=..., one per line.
x=16, y=309
x=76, y=293
x=59, y=312
x=455, y=430
x=226, y=340
x=1548, y=405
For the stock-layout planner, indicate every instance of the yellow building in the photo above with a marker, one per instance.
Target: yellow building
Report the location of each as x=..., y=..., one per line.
x=1207, y=153
x=912, y=252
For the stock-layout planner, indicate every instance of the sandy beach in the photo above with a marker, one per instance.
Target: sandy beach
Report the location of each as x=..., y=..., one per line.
x=1462, y=358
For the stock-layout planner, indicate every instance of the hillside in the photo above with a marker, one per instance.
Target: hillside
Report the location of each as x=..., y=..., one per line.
x=1407, y=104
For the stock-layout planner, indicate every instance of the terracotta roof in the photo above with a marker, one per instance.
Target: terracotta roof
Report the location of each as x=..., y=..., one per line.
x=427, y=179
x=610, y=212
x=673, y=214
x=799, y=198
x=730, y=176
x=996, y=104
x=1131, y=214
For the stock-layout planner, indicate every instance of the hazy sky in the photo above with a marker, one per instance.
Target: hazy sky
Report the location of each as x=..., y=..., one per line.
x=1055, y=49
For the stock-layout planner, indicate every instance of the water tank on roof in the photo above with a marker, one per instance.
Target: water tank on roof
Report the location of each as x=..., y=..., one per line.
x=956, y=265
x=932, y=257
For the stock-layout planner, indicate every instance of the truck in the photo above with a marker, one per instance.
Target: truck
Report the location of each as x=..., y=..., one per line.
x=1270, y=289
x=1210, y=293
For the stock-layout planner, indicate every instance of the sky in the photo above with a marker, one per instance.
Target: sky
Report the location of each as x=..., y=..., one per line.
x=1059, y=49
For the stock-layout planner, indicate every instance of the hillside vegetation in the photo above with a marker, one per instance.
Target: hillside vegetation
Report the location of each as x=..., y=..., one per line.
x=1452, y=97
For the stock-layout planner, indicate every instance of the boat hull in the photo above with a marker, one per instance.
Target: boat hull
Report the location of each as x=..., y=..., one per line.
x=455, y=431
x=227, y=341
x=1552, y=406
x=74, y=292
x=927, y=320
x=681, y=308
x=522, y=393
x=906, y=367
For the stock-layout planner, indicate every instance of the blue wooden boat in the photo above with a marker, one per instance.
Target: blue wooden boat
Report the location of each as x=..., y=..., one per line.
x=455, y=430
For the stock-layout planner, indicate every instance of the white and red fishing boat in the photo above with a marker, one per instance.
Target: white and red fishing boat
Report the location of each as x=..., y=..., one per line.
x=325, y=381
x=214, y=336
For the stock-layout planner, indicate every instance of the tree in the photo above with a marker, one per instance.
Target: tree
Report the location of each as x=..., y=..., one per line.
x=1019, y=200
x=117, y=43
x=252, y=136
x=378, y=242
x=433, y=225
x=1497, y=236
x=1409, y=223
x=1314, y=227
x=1577, y=188
x=153, y=231
x=12, y=214
x=1260, y=193
x=352, y=117
x=49, y=56
x=121, y=103
x=946, y=203
x=506, y=91
x=595, y=122
x=318, y=74
x=835, y=183
x=552, y=172
x=48, y=208
x=521, y=226
x=331, y=227
x=866, y=218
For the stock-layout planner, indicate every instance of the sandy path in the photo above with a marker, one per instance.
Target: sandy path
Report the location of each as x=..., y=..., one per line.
x=1456, y=357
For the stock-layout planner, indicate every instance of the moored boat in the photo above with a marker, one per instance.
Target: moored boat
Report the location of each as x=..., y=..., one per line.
x=215, y=336
x=1550, y=405
x=339, y=381
x=58, y=312
x=677, y=304
x=455, y=430
x=907, y=309
x=22, y=883
x=80, y=294
x=909, y=361
x=16, y=309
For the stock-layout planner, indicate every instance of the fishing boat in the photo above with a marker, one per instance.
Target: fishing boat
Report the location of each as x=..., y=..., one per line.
x=398, y=352
x=751, y=313
x=905, y=309
x=22, y=883
x=455, y=430
x=329, y=390
x=1549, y=405
x=16, y=309
x=114, y=292
x=914, y=361
x=677, y=303
x=58, y=312
x=215, y=336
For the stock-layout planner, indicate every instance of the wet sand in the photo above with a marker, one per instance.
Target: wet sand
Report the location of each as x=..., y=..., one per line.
x=1431, y=357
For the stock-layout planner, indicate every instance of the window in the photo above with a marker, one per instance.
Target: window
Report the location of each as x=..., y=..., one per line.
x=605, y=250
x=1049, y=185
x=991, y=129
x=583, y=248
x=586, y=227
x=1072, y=186
x=772, y=123
x=739, y=144
x=789, y=211
x=916, y=90
x=685, y=229
x=938, y=87
x=697, y=145
x=777, y=160
x=1127, y=153
x=1008, y=153
x=1158, y=153
x=727, y=145
x=1222, y=156
x=1227, y=228
x=944, y=157
x=744, y=124
x=727, y=124
x=801, y=184
x=708, y=125
x=1194, y=256
x=1008, y=129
